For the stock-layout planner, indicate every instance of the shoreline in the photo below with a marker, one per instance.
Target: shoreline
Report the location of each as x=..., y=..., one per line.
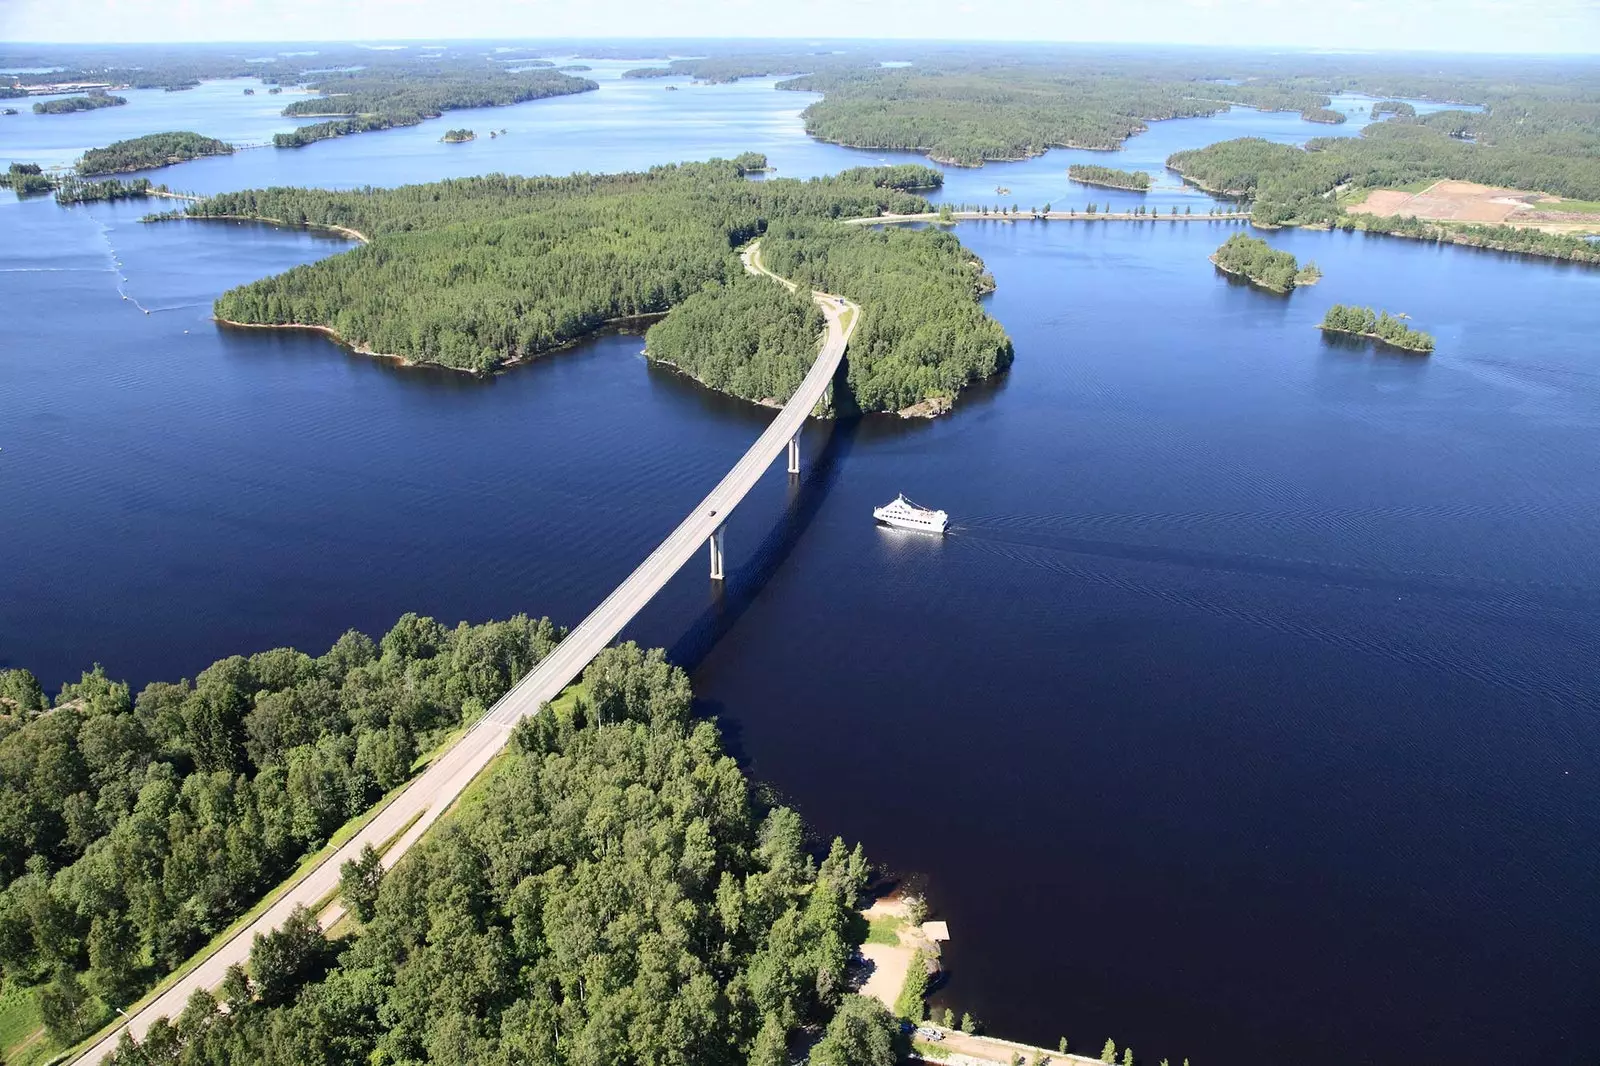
x=1374, y=337
x=353, y=234
x=1041, y=216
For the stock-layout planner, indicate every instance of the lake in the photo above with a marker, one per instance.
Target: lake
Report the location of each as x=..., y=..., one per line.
x=1247, y=713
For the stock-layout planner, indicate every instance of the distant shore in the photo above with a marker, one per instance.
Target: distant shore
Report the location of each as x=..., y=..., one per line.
x=1041, y=216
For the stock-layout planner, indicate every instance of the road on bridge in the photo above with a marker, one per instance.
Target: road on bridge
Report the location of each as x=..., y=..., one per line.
x=436, y=788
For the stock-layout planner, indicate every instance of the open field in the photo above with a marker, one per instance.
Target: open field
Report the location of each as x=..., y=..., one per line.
x=1465, y=201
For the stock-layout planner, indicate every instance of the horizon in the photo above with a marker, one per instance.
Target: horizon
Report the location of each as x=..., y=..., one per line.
x=1569, y=28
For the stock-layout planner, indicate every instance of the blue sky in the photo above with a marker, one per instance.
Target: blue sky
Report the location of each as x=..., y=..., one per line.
x=1448, y=25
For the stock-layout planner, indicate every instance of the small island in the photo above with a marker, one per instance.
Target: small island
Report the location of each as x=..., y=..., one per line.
x=1325, y=115
x=1379, y=326
x=1399, y=108
x=1110, y=177
x=458, y=136
x=650, y=72
x=27, y=179
x=8, y=111
x=88, y=102
x=1263, y=265
x=249, y=92
x=149, y=151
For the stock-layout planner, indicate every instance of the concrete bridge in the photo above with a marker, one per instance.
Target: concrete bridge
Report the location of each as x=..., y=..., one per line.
x=430, y=794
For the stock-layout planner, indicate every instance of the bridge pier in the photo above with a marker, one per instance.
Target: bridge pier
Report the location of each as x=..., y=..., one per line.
x=716, y=553
x=794, y=453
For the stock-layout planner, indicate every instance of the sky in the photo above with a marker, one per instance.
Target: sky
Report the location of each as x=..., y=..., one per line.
x=1567, y=26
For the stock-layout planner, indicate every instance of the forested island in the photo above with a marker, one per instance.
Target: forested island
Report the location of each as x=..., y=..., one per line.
x=74, y=190
x=1394, y=107
x=149, y=151
x=27, y=179
x=1325, y=115
x=1263, y=265
x=1380, y=326
x=482, y=273
x=650, y=72
x=405, y=96
x=459, y=136
x=1110, y=177
x=87, y=102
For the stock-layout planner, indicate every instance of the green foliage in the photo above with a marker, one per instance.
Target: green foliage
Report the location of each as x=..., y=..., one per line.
x=752, y=338
x=71, y=190
x=151, y=150
x=909, y=1004
x=923, y=332
x=131, y=831
x=88, y=102
x=458, y=136
x=649, y=72
x=1135, y=180
x=1127, y=1056
x=20, y=693
x=1394, y=107
x=477, y=273
x=1258, y=261
x=609, y=894
x=358, y=883
x=1325, y=115
x=1363, y=321
x=430, y=90
x=1496, y=238
x=321, y=131
x=910, y=177
x=862, y=1033
x=27, y=179
x=283, y=959
x=1109, y=1052
x=969, y=1024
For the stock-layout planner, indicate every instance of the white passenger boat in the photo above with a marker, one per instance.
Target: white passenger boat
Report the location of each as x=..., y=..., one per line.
x=904, y=514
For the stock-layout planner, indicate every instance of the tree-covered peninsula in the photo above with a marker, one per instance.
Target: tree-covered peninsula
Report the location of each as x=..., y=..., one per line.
x=1262, y=264
x=1394, y=107
x=88, y=102
x=1380, y=326
x=149, y=151
x=480, y=273
x=1110, y=177
x=26, y=179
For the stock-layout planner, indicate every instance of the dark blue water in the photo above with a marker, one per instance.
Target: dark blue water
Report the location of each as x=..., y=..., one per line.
x=1247, y=713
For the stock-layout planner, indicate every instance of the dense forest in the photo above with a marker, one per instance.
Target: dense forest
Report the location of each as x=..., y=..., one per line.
x=923, y=333
x=1263, y=264
x=87, y=102
x=1394, y=107
x=460, y=136
x=478, y=273
x=1110, y=177
x=751, y=337
x=151, y=150
x=1325, y=115
x=430, y=92
x=1381, y=326
x=341, y=127
x=609, y=893
x=133, y=829
x=649, y=72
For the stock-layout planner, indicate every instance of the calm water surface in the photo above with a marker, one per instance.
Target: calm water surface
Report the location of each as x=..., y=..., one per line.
x=1246, y=715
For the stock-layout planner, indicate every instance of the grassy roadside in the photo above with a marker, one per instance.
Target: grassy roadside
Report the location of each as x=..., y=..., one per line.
x=340, y=837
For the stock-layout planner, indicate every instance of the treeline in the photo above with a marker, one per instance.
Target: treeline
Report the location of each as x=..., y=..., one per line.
x=1325, y=115
x=1263, y=264
x=1521, y=239
x=88, y=102
x=73, y=190
x=458, y=136
x=151, y=150
x=479, y=273
x=27, y=179
x=611, y=893
x=649, y=72
x=133, y=829
x=1393, y=107
x=923, y=333
x=340, y=127
x=911, y=177
x=751, y=337
x=429, y=92
x=1364, y=322
x=1088, y=174
x=1295, y=186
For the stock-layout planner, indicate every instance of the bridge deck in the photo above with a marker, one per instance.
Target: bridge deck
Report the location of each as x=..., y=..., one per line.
x=431, y=793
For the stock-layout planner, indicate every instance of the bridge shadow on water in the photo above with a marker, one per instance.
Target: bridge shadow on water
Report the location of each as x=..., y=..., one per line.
x=744, y=585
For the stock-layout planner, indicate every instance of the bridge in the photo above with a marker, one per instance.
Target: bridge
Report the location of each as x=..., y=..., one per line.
x=431, y=793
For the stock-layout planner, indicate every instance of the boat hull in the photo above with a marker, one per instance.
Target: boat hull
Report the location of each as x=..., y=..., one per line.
x=934, y=526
